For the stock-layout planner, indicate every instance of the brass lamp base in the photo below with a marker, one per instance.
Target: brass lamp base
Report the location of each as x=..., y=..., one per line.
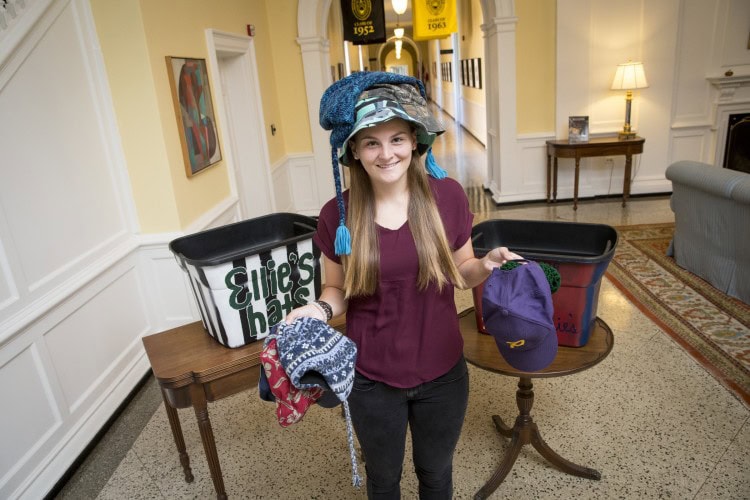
x=624, y=136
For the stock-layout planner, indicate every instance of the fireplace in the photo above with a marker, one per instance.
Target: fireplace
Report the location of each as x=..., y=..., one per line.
x=737, y=147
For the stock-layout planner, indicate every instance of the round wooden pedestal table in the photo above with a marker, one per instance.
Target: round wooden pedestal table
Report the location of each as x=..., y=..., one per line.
x=480, y=350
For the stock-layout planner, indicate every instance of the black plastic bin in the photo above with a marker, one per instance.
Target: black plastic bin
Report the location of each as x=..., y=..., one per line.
x=247, y=276
x=580, y=252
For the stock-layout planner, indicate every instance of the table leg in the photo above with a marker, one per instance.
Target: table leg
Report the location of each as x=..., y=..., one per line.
x=200, y=406
x=554, y=180
x=523, y=432
x=174, y=423
x=626, y=180
x=549, y=176
x=575, y=185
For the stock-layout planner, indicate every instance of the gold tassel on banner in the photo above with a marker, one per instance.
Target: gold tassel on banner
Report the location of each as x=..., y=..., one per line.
x=434, y=19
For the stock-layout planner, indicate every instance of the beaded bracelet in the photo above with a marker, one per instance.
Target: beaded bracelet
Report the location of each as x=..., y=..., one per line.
x=326, y=308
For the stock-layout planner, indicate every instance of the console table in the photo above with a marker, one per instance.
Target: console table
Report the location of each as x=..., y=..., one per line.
x=480, y=350
x=193, y=369
x=600, y=146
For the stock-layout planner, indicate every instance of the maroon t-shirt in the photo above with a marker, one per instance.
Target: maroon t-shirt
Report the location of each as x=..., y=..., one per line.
x=404, y=336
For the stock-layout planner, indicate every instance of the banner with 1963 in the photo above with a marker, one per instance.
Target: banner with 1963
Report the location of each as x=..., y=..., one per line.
x=434, y=19
x=364, y=21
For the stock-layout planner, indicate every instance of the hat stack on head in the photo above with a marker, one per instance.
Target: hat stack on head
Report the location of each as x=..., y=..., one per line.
x=517, y=311
x=366, y=99
x=316, y=356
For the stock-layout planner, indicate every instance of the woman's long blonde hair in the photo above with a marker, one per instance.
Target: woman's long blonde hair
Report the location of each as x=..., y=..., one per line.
x=361, y=268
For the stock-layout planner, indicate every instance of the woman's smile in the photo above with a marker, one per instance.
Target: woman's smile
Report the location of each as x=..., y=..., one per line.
x=385, y=151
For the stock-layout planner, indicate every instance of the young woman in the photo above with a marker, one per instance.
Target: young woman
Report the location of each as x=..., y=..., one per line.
x=392, y=266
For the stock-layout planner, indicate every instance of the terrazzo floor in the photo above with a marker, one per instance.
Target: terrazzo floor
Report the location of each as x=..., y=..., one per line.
x=649, y=418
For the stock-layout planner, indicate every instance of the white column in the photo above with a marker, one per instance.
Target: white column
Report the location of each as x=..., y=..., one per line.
x=315, y=62
x=347, y=63
x=500, y=56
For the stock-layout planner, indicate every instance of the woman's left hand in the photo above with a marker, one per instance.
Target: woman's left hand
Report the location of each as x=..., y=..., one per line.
x=497, y=257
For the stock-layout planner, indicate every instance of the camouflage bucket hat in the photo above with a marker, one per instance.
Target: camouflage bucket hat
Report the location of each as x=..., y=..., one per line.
x=404, y=97
x=385, y=102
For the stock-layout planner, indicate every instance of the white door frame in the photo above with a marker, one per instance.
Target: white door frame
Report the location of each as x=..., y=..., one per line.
x=499, y=28
x=234, y=72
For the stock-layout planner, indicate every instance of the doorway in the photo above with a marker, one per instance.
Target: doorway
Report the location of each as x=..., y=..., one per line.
x=234, y=70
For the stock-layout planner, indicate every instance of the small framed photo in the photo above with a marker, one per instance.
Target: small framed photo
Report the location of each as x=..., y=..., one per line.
x=578, y=129
x=193, y=106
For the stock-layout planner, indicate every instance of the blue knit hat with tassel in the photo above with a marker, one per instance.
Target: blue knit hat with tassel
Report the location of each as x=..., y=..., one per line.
x=364, y=99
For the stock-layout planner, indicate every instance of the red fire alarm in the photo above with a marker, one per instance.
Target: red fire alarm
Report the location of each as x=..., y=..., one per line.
x=250, y=30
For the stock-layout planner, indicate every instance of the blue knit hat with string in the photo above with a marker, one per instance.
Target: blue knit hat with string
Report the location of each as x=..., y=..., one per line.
x=365, y=99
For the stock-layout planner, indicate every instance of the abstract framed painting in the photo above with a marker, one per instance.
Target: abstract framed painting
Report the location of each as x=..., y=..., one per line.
x=193, y=105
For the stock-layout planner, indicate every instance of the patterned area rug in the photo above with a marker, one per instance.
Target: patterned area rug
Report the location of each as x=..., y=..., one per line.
x=713, y=327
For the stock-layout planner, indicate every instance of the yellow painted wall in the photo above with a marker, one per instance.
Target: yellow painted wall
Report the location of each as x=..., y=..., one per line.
x=535, y=66
x=136, y=36
x=123, y=43
x=335, y=40
x=289, y=92
x=406, y=60
x=472, y=45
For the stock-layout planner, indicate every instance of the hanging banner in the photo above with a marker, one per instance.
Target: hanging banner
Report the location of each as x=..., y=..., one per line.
x=434, y=19
x=364, y=21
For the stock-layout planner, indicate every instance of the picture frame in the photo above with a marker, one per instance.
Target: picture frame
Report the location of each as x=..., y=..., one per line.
x=578, y=129
x=475, y=73
x=479, y=73
x=194, y=111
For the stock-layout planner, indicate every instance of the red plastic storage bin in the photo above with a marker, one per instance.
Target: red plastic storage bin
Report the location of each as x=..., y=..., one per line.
x=580, y=252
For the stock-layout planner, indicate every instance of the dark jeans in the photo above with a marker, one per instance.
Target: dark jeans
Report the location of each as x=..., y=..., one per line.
x=434, y=411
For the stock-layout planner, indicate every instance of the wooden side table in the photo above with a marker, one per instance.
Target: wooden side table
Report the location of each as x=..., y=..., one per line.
x=193, y=369
x=480, y=350
x=600, y=146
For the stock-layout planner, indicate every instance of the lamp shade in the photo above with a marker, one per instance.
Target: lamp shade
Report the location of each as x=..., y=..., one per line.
x=399, y=6
x=629, y=75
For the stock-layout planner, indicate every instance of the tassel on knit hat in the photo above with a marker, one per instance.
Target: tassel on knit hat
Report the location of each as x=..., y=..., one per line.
x=308, y=346
x=365, y=99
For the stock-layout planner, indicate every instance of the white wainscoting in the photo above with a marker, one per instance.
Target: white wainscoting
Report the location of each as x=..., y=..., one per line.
x=294, y=184
x=449, y=102
x=528, y=180
x=690, y=143
x=78, y=286
x=67, y=372
x=475, y=119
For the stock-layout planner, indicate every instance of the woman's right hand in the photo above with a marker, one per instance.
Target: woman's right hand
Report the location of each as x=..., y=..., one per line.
x=306, y=311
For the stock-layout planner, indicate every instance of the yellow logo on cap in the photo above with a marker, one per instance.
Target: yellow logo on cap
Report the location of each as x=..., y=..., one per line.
x=517, y=343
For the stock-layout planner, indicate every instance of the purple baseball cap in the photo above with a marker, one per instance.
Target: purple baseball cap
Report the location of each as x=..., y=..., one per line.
x=517, y=311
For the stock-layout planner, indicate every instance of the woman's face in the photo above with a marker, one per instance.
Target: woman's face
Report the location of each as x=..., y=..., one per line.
x=385, y=151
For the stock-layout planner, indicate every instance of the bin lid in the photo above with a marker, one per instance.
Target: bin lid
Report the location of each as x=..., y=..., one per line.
x=241, y=239
x=558, y=241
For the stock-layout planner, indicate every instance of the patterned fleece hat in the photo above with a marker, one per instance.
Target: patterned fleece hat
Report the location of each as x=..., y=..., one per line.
x=291, y=402
x=365, y=99
x=517, y=312
x=310, y=346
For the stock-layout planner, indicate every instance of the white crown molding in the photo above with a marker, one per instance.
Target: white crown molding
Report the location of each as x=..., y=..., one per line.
x=728, y=85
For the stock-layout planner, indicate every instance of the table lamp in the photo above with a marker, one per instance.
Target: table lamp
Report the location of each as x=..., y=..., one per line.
x=629, y=76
